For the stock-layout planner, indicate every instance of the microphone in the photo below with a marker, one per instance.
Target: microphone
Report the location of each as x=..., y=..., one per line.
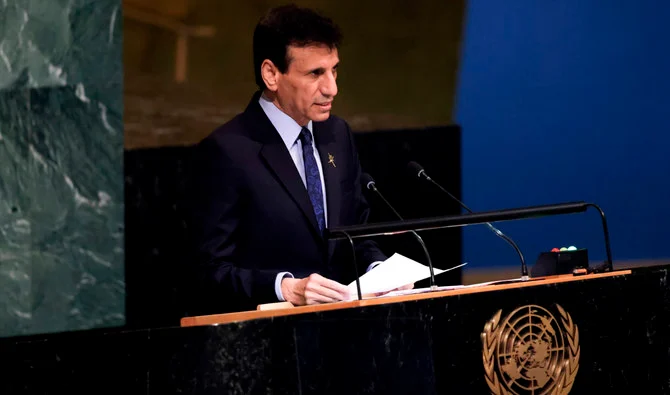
x=369, y=183
x=416, y=170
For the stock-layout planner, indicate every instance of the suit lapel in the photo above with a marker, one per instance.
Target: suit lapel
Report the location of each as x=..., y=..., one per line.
x=278, y=160
x=324, y=139
x=326, y=145
x=280, y=163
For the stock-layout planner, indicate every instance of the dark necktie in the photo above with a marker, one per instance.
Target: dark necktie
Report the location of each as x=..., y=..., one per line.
x=312, y=178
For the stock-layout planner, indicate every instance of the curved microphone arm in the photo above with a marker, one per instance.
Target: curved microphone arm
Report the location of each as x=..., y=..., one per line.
x=371, y=185
x=422, y=174
x=524, y=267
x=606, y=233
x=353, y=258
x=433, y=285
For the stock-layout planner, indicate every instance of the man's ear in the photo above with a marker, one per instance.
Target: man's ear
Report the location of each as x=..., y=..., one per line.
x=270, y=74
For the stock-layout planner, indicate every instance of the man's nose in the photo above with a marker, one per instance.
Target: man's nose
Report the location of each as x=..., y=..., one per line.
x=329, y=85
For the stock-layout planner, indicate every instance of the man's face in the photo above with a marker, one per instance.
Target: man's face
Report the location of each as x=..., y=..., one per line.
x=307, y=89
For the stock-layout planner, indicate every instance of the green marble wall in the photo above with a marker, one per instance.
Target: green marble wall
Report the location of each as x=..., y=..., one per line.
x=61, y=166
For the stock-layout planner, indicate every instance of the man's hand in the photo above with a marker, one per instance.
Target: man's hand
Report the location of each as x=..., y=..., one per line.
x=314, y=289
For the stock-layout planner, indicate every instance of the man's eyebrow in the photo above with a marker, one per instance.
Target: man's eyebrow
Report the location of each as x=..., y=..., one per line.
x=321, y=70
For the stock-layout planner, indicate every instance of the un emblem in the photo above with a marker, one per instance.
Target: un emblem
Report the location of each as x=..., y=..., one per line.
x=531, y=352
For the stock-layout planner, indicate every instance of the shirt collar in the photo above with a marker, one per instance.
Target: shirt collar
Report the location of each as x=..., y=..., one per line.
x=287, y=127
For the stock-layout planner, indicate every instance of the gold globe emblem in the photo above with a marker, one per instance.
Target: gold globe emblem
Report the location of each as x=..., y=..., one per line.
x=530, y=352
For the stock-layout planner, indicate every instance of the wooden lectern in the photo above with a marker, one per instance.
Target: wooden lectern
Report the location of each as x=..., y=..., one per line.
x=601, y=333
x=286, y=308
x=553, y=335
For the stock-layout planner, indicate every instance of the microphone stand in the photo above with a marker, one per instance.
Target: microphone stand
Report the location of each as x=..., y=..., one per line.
x=371, y=185
x=386, y=228
x=607, y=267
x=524, y=267
x=353, y=258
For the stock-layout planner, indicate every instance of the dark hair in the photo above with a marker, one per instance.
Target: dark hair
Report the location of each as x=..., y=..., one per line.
x=290, y=25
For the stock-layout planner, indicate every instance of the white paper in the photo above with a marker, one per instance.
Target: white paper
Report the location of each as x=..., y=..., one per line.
x=393, y=273
x=423, y=290
x=450, y=287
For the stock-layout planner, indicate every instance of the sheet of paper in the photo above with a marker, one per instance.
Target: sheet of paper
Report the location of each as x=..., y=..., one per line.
x=449, y=287
x=393, y=273
x=423, y=290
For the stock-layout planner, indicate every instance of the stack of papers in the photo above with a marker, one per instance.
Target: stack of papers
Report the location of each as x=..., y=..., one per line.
x=451, y=287
x=393, y=273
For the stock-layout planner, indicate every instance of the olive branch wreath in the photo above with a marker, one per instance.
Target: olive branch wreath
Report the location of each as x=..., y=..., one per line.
x=567, y=372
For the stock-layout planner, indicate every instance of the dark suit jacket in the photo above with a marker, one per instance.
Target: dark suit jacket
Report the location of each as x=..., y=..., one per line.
x=252, y=217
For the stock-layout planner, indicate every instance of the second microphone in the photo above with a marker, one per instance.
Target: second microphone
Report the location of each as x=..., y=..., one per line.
x=369, y=183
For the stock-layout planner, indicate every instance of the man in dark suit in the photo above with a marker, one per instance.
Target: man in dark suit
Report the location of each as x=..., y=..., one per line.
x=270, y=181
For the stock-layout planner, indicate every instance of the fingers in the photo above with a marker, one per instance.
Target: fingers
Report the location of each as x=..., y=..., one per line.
x=342, y=290
x=319, y=289
x=316, y=297
x=316, y=293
